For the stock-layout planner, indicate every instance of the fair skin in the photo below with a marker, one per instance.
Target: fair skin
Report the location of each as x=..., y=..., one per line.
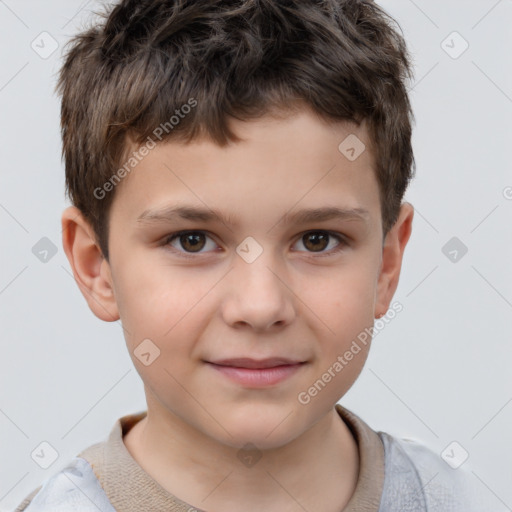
x=298, y=299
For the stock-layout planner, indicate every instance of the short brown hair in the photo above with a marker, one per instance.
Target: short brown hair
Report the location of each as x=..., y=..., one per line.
x=125, y=76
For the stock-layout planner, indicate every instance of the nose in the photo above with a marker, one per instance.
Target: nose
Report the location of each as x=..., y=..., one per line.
x=257, y=295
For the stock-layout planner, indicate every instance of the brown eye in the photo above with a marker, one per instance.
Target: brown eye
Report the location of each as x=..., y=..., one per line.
x=192, y=242
x=316, y=241
x=189, y=242
x=319, y=241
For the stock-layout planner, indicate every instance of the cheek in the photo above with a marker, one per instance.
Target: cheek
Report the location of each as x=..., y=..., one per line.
x=344, y=300
x=344, y=308
x=153, y=299
x=163, y=306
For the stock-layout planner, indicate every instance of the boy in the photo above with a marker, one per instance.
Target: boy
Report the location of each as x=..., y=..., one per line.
x=237, y=172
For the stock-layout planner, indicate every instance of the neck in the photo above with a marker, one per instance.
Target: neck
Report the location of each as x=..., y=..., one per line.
x=316, y=471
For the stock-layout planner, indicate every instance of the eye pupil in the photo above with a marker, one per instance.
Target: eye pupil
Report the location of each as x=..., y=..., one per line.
x=316, y=237
x=192, y=240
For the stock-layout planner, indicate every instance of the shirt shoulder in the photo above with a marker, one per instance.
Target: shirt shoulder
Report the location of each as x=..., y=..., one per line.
x=417, y=479
x=73, y=489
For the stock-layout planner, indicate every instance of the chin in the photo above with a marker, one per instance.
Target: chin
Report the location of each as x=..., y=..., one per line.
x=266, y=431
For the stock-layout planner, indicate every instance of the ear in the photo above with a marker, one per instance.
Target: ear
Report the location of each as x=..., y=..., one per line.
x=90, y=269
x=392, y=254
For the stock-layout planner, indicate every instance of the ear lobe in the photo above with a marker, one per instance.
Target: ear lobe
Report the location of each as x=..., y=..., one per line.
x=90, y=269
x=392, y=255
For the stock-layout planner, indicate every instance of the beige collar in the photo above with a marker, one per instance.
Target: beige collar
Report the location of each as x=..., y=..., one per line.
x=130, y=489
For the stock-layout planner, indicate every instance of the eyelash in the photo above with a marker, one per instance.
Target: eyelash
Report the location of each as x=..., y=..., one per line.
x=341, y=239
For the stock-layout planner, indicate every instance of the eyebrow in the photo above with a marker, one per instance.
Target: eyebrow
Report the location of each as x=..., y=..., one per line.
x=308, y=215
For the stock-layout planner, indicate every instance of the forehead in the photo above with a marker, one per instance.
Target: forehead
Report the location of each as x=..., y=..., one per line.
x=286, y=163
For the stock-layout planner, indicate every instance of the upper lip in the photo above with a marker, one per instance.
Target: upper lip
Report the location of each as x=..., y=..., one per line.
x=245, y=362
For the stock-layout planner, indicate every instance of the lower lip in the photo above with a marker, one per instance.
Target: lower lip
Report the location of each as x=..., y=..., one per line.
x=258, y=377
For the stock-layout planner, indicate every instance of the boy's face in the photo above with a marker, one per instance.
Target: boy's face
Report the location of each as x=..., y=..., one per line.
x=255, y=287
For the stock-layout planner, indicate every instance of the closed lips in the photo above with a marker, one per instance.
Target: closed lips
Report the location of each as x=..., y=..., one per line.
x=257, y=364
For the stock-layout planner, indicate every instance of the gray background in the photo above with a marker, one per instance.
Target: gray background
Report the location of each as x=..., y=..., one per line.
x=439, y=372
